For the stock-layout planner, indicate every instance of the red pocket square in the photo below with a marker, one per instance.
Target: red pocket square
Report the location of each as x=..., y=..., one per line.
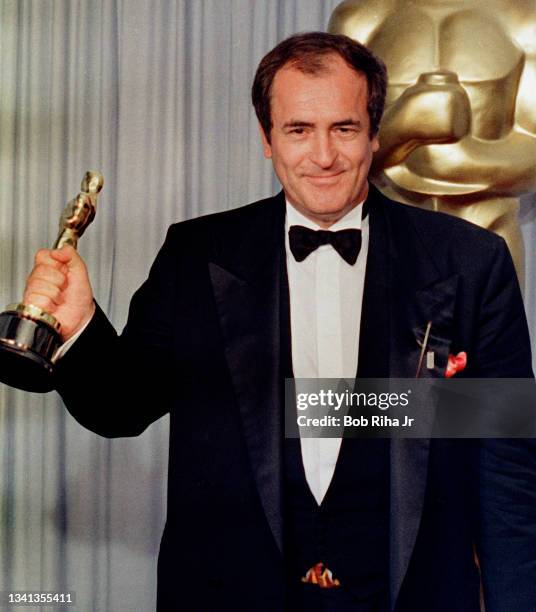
x=320, y=575
x=456, y=363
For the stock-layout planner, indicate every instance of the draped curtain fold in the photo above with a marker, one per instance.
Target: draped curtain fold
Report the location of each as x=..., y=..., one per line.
x=156, y=95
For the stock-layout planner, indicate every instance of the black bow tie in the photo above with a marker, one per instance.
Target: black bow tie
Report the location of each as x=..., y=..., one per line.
x=303, y=241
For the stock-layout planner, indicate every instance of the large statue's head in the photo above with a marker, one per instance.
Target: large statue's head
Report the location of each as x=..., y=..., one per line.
x=319, y=99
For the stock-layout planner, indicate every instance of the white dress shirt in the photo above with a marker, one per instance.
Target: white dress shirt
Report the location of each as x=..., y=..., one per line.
x=326, y=297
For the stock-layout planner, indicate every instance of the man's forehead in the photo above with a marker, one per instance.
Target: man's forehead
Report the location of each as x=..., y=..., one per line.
x=317, y=66
x=291, y=74
x=293, y=88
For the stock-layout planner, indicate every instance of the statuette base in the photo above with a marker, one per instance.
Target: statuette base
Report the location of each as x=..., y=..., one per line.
x=27, y=348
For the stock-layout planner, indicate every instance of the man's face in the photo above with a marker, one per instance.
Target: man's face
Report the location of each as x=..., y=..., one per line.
x=320, y=145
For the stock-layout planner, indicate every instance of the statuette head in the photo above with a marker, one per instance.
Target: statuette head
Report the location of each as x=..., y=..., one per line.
x=92, y=182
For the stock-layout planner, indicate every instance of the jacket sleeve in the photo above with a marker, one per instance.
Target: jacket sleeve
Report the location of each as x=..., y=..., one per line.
x=506, y=468
x=118, y=385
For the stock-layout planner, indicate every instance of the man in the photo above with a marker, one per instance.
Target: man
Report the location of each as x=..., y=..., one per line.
x=238, y=300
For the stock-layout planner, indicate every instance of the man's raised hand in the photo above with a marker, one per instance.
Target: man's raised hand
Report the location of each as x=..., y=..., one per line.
x=59, y=283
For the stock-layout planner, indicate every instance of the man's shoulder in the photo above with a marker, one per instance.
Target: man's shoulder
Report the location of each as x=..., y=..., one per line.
x=439, y=231
x=232, y=223
x=227, y=236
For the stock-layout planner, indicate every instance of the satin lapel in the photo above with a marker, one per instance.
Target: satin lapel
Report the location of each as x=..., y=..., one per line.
x=409, y=457
x=416, y=294
x=374, y=346
x=246, y=287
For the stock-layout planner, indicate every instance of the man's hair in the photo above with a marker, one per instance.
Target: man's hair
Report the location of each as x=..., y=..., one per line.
x=307, y=52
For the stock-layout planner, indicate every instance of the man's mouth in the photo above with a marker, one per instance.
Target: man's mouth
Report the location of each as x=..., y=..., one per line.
x=324, y=179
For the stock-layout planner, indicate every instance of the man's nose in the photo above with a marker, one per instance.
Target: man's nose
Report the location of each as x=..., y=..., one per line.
x=323, y=152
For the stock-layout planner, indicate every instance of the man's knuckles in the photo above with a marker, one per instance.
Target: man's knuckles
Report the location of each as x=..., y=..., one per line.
x=67, y=256
x=44, y=257
x=45, y=288
x=57, y=258
x=45, y=272
x=41, y=255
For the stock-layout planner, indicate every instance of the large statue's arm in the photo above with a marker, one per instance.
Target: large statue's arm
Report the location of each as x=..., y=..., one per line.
x=526, y=97
x=521, y=26
x=435, y=110
x=505, y=167
x=425, y=144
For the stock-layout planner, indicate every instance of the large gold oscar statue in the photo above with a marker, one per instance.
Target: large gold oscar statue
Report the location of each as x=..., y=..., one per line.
x=459, y=131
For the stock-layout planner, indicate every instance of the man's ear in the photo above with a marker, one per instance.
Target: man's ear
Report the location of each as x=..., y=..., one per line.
x=375, y=143
x=266, y=147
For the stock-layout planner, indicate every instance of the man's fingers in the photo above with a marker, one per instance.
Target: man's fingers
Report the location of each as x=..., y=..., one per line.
x=44, y=257
x=49, y=274
x=61, y=259
x=44, y=288
x=67, y=256
x=46, y=282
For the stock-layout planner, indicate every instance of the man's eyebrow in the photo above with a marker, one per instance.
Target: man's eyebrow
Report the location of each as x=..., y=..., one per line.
x=297, y=123
x=350, y=122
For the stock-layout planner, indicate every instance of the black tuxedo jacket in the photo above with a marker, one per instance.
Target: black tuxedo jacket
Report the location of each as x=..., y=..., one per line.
x=203, y=343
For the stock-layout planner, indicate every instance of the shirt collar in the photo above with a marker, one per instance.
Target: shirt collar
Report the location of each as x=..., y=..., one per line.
x=351, y=220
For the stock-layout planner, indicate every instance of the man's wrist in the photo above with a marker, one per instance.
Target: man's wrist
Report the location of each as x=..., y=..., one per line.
x=74, y=337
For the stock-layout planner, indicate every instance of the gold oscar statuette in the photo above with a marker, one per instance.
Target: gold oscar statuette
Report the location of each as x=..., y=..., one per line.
x=30, y=336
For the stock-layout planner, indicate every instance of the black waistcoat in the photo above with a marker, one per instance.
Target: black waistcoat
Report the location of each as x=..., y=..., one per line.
x=349, y=532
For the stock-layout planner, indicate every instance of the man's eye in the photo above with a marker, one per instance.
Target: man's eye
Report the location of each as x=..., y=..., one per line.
x=297, y=131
